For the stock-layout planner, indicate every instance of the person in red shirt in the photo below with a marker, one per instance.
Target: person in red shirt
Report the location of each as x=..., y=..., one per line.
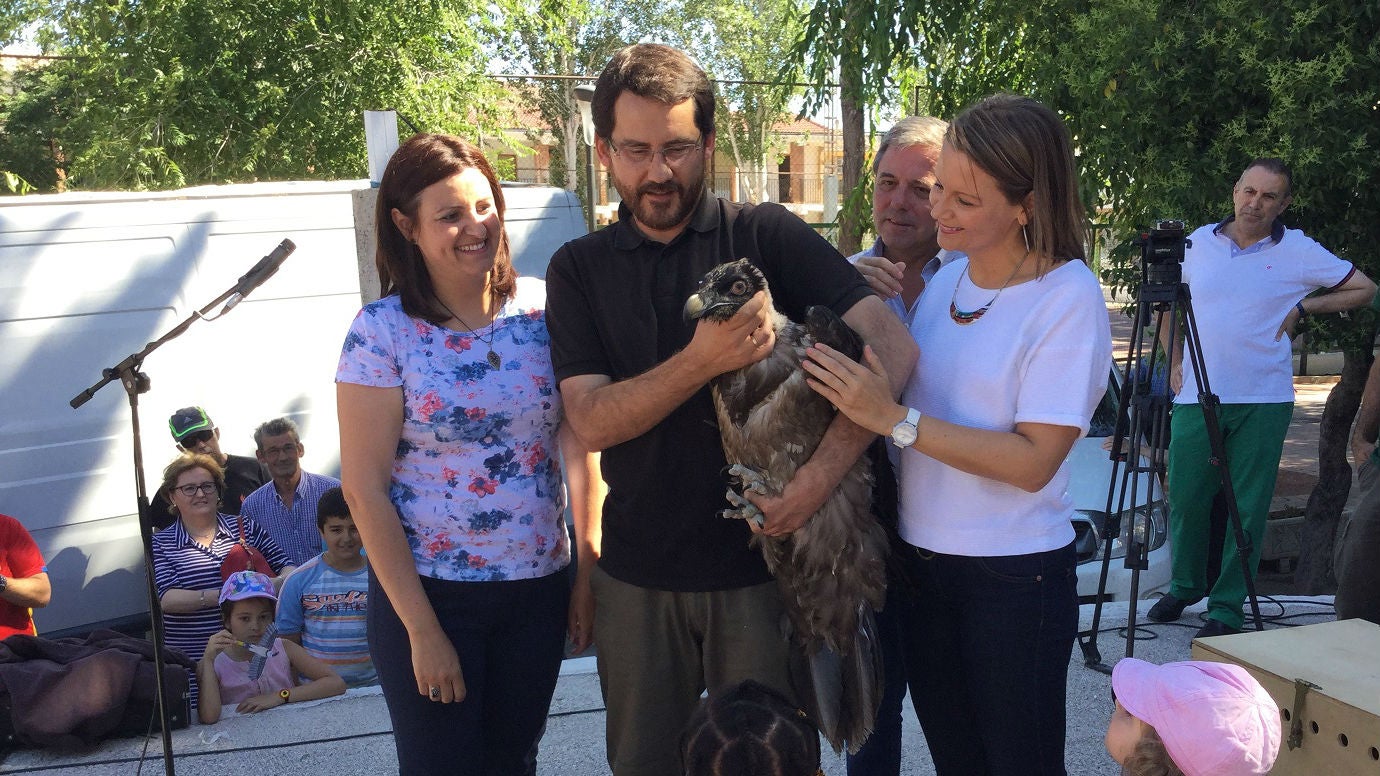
x=23, y=579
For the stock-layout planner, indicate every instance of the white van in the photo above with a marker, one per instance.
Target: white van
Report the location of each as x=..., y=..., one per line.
x=87, y=279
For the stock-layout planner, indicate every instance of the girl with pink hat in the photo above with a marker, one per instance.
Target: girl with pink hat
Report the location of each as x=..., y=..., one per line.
x=246, y=664
x=1193, y=718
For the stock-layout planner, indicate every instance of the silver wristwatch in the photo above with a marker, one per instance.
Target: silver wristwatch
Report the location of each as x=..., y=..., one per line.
x=903, y=434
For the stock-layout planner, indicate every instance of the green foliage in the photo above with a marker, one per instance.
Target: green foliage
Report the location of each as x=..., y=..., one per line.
x=574, y=37
x=946, y=52
x=960, y=53
x=1167, y=109
x=166, y=94
x=741, y=44
x=14, y=184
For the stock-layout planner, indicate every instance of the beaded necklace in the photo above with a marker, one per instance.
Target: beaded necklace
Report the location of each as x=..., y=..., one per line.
x=964, y=318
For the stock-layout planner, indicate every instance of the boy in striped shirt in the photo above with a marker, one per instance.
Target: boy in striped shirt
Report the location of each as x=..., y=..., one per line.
x=323, y=604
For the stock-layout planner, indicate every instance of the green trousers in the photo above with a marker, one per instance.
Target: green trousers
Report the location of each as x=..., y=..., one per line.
x=1253, y=435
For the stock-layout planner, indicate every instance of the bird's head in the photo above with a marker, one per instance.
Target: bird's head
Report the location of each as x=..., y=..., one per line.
x=723, y=290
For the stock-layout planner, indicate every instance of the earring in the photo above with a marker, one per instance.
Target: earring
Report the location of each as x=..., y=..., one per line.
x=1025, y=236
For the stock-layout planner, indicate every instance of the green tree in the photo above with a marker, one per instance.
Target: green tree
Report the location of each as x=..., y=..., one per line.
x=165, y=94
x=563, y=37
x=741, y=46
x=948, y=52
x=1167, y=109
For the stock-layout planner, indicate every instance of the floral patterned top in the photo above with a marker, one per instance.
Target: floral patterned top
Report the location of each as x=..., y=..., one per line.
x=477, y=478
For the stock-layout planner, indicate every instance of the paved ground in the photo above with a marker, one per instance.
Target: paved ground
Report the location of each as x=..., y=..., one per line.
x=352, y=735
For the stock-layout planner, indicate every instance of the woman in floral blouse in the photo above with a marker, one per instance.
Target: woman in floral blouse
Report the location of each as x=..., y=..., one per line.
x=450, y=426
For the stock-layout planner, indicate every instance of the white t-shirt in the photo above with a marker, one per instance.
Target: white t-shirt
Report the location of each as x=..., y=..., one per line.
x=1239, y=303
x=1040, y=354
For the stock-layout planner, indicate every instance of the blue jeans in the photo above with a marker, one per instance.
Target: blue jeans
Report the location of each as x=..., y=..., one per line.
x=510, y=637
x=988, y=649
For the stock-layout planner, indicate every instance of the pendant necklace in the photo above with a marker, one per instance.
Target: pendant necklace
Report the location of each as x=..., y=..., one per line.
x=493, y=358
x=964, y=318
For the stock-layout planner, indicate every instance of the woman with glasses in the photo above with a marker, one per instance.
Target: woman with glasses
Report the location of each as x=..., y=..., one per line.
x=1014, y=346
x=187, y=554
x=452, y=445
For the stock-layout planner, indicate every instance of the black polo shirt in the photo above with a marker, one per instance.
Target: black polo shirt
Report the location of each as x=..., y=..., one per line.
x=613, y=307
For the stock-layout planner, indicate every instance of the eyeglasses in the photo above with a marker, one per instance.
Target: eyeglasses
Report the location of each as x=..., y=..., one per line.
x=192, y=440
x=674, y=155
x=191, y=490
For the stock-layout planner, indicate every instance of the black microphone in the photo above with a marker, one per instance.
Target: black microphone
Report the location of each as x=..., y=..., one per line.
x=259, y=273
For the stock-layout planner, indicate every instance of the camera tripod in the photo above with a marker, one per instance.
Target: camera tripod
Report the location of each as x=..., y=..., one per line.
x=1143, y=419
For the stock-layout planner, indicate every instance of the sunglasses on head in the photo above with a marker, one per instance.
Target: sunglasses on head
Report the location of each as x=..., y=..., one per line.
x=192, y=440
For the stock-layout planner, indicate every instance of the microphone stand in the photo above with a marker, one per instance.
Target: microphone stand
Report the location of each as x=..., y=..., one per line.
x=135, y=382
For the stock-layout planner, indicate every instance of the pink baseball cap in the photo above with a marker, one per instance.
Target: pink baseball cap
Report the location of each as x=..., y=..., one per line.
x=1214, y=718
x=247, y=584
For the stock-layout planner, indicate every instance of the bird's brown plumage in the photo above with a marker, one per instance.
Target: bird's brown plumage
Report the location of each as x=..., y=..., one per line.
x=831, y=571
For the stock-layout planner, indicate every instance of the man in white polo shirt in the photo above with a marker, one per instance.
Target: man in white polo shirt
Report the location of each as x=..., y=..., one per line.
x=1248, y=276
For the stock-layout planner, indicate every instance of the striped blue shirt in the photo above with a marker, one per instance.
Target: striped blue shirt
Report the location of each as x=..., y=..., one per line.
x=327, y=607
x=293, y=529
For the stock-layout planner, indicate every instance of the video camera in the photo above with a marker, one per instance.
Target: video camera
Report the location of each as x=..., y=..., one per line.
x=1162, y=251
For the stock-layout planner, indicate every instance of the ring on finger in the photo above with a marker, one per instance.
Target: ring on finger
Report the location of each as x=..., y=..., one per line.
x=434, y=693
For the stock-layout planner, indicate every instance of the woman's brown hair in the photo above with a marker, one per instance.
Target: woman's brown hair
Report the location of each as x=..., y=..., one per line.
x=1026, y=148
x=418, y=163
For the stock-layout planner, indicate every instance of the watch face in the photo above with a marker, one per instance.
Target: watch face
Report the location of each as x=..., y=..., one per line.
x=903, y=435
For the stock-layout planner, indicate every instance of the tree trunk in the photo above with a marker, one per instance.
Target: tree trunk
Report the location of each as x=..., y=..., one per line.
x=1314, y=575
x=571, y=135
x=850, y=102
x=851, y=105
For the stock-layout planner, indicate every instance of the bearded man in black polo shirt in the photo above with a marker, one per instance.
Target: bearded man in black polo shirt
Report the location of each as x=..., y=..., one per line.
x=679, y=602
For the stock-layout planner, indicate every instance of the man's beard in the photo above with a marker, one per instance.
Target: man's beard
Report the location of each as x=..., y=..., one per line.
x=659, y=217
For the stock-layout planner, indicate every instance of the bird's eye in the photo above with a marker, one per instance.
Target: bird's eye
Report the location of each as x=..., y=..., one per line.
x=739, y=287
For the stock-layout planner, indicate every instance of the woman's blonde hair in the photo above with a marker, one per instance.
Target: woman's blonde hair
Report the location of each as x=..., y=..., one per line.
x=1026, y=148
x=185, y=463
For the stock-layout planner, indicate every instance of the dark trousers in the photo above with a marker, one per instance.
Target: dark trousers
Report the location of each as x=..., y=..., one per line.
x=988, y=651
x=510, y=637
x=880, y=754
x=1358, y=572
x=658, y=650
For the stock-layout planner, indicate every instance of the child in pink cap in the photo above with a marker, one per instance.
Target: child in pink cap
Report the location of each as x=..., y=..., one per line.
x=1194, y=718
x=224, y=671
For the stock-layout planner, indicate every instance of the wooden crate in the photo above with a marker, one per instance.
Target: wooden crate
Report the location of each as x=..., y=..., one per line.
x=1339, y=720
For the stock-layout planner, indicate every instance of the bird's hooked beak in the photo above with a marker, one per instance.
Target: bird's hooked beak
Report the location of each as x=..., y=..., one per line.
x=698, y=306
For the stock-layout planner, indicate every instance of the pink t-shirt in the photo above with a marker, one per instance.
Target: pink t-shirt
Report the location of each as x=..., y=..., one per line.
x=235, y=684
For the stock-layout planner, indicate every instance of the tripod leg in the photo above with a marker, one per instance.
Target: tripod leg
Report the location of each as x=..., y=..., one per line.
x=1136, y=412
x=1245, y=548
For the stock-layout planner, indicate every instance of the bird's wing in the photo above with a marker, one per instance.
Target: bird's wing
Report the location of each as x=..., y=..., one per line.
x=742, y=391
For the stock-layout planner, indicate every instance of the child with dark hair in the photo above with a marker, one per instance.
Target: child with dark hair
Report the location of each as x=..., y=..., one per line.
x=1192, y=718
x=228, y=671
x=750, y=730
x=324, y=603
